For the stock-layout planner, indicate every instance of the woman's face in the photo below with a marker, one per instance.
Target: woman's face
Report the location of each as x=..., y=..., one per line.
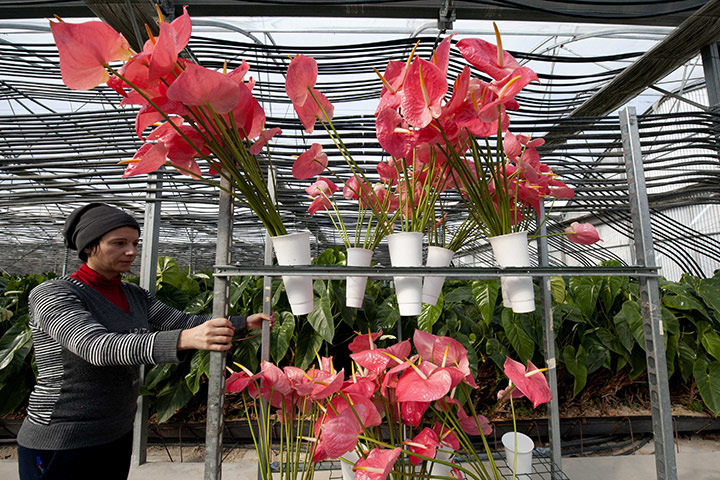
x=115, y=252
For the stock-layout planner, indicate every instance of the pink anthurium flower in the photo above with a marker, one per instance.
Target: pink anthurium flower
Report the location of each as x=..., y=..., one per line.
x=366, y=341
x=423, y=91
x=377, y=465
x=411, y=413
x=531, y=381
x=424, y=443
x=338, y=435
x=173, y=38
x=316, y=106
x=239, y=381
x=200, y=86
x=85, y=49
x=446, y=436
x=322, y=187
x=264, y=137
x=301, y=77
x=275, y=384
x=148, y=158
x=424, y=383
x=310, y=163
x=444, y=352
x=393, y=134
x=488, y=58
x=582, y=233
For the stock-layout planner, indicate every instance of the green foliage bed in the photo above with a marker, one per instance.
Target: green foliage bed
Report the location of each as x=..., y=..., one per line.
x=597, y=321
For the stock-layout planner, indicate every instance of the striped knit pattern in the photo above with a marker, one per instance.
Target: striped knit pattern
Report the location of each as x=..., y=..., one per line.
x=87, y=352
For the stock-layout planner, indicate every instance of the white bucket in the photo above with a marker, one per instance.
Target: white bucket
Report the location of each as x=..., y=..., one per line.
x=406, y=251
x=355, y=286
x=523, y=452
x=432, y=286
x=511, y=250
x=294, y=249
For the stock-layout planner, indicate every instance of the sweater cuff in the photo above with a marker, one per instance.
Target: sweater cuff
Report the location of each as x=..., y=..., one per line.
x=239, y=323
x=165, y=347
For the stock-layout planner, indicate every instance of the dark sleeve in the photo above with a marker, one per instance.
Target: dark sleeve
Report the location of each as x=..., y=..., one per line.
x=239, y=322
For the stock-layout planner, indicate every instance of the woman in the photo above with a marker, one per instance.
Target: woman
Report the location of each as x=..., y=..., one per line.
x=91, y=330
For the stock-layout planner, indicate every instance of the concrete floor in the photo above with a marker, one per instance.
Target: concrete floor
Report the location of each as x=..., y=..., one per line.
x=697, y=459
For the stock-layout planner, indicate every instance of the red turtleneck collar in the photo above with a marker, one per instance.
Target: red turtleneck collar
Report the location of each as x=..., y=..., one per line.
x=110, y=288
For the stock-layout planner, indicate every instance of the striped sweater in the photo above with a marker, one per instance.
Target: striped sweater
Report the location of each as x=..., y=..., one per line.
x=87, y=352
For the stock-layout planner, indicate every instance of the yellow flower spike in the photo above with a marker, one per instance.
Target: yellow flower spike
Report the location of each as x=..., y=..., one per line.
x=309, y=439
x=393, y=357
x=535, y=372
x=389, y=87
x=244, y=368
x=58, y=18
x=402, y=130
x=414, y=444
x=447, y=348
x=369, y=469
x=418, y=371
x=372, y=344
x=159, y=12
x=412, y=54
x=125, y=162
x=225, y=67
x=229, y=369
x=500, y=52
x=317, y=355
x=422, y=86
x=507, y=85
x=150, y=34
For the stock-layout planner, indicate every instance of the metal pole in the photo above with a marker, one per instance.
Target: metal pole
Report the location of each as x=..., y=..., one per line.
x=550, y=361
x=265, y=343
x=148, y=274
x=649, y=299
x=216, y=383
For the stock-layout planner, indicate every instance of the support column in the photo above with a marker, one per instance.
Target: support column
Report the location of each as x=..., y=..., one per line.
x=549, y=344
x=216, y=383
x=649, y=299
x=148, y=275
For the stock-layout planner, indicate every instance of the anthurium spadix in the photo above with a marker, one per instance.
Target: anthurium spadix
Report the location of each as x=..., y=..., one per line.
x=530, y=381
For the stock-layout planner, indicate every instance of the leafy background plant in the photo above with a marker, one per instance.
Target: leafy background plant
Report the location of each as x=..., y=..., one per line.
x=597, y=321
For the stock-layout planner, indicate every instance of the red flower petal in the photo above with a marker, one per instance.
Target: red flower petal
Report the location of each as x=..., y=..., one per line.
x=265, y=135
x=582, y=233
x=152, y=156
x=301, y=76
x=310, y=163
x=84, y=48
x=200, y=86
x=483, y=56
x=412, y=387
x=378, y=458
x=535, y=387
x=424, y=89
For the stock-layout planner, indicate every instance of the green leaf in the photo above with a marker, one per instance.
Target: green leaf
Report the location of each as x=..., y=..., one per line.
x=611, y=342
x=709, y=291
x=598, y=355
x=308, y=343
x=575, y=362
x=707, y=378
x=557, y=289
x=638, y=363
x=623, y=331
x=463, y=294
x=171, y=399
x=687, y=355
x=429, y=315
x=585, y=292
x=327, y=257
x=171, y=295
x=202, y=303
x=485, y=293
x=321, y=317
x=631, y=311
x=388, y=314
x=199, y=366
x=168, y=272
x=521, y=342
x=159, y=373
x=671, y=324
x=611, y=289
x=12, y=341
x=685, y=302
x=709, y=339
x=281, y=335
x=497, y=352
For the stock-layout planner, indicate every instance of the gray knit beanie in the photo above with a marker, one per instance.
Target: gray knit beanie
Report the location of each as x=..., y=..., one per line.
x=90, y=222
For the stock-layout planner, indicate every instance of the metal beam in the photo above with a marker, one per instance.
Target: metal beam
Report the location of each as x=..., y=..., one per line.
x=650, y=304
x=701, y=29
x=657, y=13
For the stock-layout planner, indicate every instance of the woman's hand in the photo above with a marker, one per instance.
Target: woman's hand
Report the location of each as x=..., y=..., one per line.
x=254, y=321
x=215, y=334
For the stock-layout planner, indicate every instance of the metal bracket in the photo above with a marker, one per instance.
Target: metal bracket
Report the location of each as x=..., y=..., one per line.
x=446, y=15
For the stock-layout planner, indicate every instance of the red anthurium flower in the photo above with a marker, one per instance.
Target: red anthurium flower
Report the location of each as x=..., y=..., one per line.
x=582, y=233
x=363, y=386
x=424, y=89
x=368, y=414
x=327, y=384
x=393, y=134
x=446, y=436
x=484, y=56
x=311, y=163
x=472, y=425
x=443, y=351
x=460, y=91
x=322, y=187
x=85, y=49
x=173, y=38
x=531, y=382
x=200, y=86
x=316, y=106
x=239, y=381
x=424, y=443
x=275, y=384
x=264, y=137
x=424, y=383
x=377, y=465
x=441, y=55
x=388, y=173
x=356, y=186
x=365, y=341
x=338, y=435
x=393, y=79
x=301, y=77
x=148, y=158
x=411, y=413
